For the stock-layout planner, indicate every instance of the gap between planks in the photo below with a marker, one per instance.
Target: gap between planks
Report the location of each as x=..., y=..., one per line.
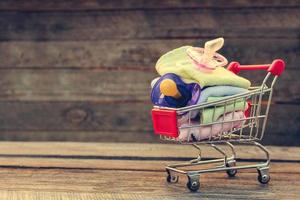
x=118, y=5
x=128, y=156
x=139, y=150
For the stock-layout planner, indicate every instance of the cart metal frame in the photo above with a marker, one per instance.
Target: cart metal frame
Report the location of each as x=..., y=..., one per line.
x=251, y=131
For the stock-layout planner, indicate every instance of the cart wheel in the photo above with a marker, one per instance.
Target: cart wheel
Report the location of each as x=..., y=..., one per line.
x=172, y=179
x=231, y=172
x=193, y=185
x=263, y=175
x=263, y=179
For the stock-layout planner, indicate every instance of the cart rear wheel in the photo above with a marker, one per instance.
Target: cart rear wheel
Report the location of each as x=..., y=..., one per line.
x=172, y=179
x=231, y=172
x=193, y=185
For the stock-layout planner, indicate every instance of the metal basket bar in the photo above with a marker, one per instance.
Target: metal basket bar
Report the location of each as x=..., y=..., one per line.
x=227, y=121
x=221, y=101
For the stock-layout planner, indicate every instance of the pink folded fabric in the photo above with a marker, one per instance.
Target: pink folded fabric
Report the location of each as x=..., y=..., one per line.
x=204, y=132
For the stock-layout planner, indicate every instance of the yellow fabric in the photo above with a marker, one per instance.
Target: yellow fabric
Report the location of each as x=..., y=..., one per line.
x=178, y=62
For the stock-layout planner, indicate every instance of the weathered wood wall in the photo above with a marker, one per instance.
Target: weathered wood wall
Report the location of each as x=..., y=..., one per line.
x=80, y=70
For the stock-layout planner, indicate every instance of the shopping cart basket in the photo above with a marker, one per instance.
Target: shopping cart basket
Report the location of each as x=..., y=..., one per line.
x=250, y=132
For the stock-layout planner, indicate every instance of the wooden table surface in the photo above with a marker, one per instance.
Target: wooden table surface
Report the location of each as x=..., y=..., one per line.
x=48, y=170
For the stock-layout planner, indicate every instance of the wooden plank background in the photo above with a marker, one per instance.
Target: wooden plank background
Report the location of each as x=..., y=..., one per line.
x=80, y=70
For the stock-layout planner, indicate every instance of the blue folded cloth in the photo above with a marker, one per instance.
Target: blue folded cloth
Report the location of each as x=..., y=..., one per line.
x=219, y=91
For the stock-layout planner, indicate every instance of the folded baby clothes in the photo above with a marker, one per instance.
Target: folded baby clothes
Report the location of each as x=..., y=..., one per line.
x=205, y=132
x=215, y=93
x=210, y=115
x=219, y=91
x=178, y=62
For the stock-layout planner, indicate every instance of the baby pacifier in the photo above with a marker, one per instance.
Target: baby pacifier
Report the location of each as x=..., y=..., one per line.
x=207, y=59
x=170, y=91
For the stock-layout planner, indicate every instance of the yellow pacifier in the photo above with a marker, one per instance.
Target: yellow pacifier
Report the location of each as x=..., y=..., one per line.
x=169, y=88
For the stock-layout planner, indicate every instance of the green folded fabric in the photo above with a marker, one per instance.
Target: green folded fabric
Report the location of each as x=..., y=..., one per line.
x=178, y=62
x=208, y=115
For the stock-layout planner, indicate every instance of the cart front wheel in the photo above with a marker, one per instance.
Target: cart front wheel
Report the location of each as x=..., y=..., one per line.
x=263, y=175
x=263, y=179
x=193, y=185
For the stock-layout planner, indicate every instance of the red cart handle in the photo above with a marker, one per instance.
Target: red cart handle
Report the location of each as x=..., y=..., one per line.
x=276, y=68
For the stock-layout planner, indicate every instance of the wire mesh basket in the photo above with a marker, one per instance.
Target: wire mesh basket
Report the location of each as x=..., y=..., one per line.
x=227, y=129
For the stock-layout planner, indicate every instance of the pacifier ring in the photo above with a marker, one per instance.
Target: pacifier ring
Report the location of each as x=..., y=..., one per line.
x=197, y=52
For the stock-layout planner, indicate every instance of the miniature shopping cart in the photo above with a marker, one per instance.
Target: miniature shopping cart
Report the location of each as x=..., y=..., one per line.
x=250, y=132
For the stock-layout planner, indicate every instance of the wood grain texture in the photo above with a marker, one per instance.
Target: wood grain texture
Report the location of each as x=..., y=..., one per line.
x=116, y=164
x=71, y=116
x=80, y=135
x=127, y=122
x=151, y=24
x=130, y=177
x=109, y=85
x=136, y=53
x=135, y=151
x=106, y=86
x=143, y=184
x=80, y=70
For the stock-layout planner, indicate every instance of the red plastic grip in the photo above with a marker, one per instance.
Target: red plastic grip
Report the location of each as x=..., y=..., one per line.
x=276, y=67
